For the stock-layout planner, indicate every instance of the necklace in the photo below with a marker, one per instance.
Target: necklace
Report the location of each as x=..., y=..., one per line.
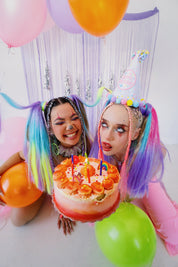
x=67, y=151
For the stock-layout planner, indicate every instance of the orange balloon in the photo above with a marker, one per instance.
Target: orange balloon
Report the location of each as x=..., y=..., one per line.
x=98, y=17
x=17, y=189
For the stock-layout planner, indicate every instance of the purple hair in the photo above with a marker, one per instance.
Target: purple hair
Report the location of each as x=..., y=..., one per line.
x=144, y=156
x=148, y=160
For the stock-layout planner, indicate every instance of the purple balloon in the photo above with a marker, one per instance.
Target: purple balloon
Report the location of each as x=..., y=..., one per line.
x=62, y=16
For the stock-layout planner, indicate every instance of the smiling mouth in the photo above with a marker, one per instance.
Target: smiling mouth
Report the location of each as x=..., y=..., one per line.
x=71, y=135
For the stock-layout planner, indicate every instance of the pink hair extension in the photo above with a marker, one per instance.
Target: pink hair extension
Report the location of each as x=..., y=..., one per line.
x=154, y=126
x=124, y=176
x=100, y=152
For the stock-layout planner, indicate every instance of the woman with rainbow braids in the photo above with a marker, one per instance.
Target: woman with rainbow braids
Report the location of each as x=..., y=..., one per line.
x=54, y=131
x=128, y=137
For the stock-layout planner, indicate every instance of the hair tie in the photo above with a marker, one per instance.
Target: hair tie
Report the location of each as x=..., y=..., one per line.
x=43, y=105
x=145, y=109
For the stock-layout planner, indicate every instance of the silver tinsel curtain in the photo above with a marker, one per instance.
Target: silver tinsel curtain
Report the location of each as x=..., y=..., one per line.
x=59, y=63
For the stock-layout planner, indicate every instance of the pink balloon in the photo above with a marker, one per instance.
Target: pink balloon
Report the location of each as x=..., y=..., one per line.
x=62, y=16
x=11, y=136
x=49, y=23
x=21, y=20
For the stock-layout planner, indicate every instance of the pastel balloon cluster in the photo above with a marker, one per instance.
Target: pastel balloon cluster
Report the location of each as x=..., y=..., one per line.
x=23, y=21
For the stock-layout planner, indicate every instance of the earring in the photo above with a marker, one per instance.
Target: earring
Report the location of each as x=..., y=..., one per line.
x=55, y=149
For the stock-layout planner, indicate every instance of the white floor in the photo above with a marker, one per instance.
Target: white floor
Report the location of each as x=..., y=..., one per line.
x=40, y=243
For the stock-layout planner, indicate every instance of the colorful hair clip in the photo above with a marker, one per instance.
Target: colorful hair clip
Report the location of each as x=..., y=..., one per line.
x=43, y=105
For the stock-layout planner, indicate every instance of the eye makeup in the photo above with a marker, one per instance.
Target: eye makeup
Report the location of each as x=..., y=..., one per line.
x=59, y=120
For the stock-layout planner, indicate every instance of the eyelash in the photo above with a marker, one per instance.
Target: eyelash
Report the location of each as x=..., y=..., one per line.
x=118, y=130
x=104, y=125
x=59, y=123
x=73, y=119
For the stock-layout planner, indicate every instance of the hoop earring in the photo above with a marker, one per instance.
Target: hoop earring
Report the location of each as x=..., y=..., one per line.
x=55, y=149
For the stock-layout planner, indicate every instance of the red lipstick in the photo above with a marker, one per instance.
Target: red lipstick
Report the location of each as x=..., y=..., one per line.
x=106, y=146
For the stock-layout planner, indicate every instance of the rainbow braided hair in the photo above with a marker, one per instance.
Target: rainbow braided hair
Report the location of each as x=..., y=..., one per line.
x=36, y=146
x=147, y=159
x=144, y=157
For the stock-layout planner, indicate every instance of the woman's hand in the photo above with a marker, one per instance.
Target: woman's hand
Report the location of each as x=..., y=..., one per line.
x=2, y=203
x=66, y=224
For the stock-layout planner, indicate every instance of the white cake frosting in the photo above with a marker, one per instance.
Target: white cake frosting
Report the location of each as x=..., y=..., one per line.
x=82, y=193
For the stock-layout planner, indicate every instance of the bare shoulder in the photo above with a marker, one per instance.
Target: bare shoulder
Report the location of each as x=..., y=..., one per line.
x=21, y=154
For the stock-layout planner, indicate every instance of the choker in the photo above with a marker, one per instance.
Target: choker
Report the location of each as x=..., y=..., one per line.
x=67, y=151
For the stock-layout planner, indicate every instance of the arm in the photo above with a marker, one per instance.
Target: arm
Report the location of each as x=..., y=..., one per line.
x=14, y=159
x=164, y=215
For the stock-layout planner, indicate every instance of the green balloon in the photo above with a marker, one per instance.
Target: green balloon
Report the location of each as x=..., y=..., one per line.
x=127, y=238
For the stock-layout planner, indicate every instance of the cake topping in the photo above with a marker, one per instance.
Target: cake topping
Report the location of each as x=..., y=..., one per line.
x=76, y=176
x=88, y=169
x=97, y=187
x=62, y=182
x=108, y=183
x=114, y=177
x=85, y=190
x=58, y=175
x=72, y=187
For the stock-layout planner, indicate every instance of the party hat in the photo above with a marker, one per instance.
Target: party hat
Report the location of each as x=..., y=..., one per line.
x=128, y=90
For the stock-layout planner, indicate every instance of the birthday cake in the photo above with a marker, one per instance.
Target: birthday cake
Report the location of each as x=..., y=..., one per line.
x=86, y=189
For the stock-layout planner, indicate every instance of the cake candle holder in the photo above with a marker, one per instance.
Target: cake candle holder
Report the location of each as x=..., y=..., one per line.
x=87, y=169
x=86, y=158
x=88, y=174
x=101, y=166
x=72, y=158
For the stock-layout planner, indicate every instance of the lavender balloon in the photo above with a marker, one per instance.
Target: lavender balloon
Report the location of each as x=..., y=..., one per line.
x=62, y=16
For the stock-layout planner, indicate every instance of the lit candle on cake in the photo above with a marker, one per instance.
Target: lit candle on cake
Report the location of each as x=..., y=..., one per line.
x=88, y=174
x=87, y=169
x=86, y=158
x=101, y=166
x=72, y=157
